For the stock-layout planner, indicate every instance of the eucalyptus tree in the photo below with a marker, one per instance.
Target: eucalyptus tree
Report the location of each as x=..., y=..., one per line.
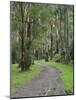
x=20, y=21
x=40, y=27
x=68, y=30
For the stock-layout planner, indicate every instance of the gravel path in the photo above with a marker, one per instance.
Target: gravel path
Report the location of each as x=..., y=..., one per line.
x=48, y=82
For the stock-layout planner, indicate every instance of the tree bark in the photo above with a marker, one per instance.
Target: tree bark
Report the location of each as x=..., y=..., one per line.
x=66, y=34
x=22, y=60
x=51, y=37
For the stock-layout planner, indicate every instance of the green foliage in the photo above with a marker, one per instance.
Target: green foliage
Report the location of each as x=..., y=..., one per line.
x=60, y=57
x=45, y=21
x=57, y=57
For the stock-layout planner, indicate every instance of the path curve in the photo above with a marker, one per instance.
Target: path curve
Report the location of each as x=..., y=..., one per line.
x=48, y=82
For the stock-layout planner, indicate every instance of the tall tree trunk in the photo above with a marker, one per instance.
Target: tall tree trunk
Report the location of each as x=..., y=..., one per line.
x=66, y=33
x=22, y=38
x=25, y=49
x=56, y=41
x=60, y=33
x=51, y=37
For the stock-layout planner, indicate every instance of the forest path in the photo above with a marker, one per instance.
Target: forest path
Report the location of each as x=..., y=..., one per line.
x=48, y=82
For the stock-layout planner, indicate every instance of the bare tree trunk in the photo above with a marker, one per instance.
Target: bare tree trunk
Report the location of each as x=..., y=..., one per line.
x=22, y=63
x=60, y=33
x=66, y=34
x=56, y=41
x=51, y=37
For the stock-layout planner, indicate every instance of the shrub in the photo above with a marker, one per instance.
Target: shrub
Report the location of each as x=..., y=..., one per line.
x=57, y=57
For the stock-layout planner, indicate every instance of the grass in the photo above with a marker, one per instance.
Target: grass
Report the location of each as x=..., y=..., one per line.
x=66, y=74
x=19, y=78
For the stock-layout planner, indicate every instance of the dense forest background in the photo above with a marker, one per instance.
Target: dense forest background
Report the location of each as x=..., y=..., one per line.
x=41, y=31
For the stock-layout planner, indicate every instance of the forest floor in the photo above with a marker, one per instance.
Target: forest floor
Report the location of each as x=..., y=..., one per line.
x=47, y=82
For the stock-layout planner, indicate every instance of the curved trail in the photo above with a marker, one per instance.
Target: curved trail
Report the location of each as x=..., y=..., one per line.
x=48, y=82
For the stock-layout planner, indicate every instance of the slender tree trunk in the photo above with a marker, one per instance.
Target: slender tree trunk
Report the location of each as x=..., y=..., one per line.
x=60, y=33
x=57, y=44
x=51, y=37
x=56, y=41
x=66, y=34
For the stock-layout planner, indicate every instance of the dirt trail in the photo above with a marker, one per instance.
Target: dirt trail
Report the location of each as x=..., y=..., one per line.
x=48, y=82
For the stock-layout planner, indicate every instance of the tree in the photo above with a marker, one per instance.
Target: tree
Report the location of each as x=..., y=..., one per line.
x=40, y=28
